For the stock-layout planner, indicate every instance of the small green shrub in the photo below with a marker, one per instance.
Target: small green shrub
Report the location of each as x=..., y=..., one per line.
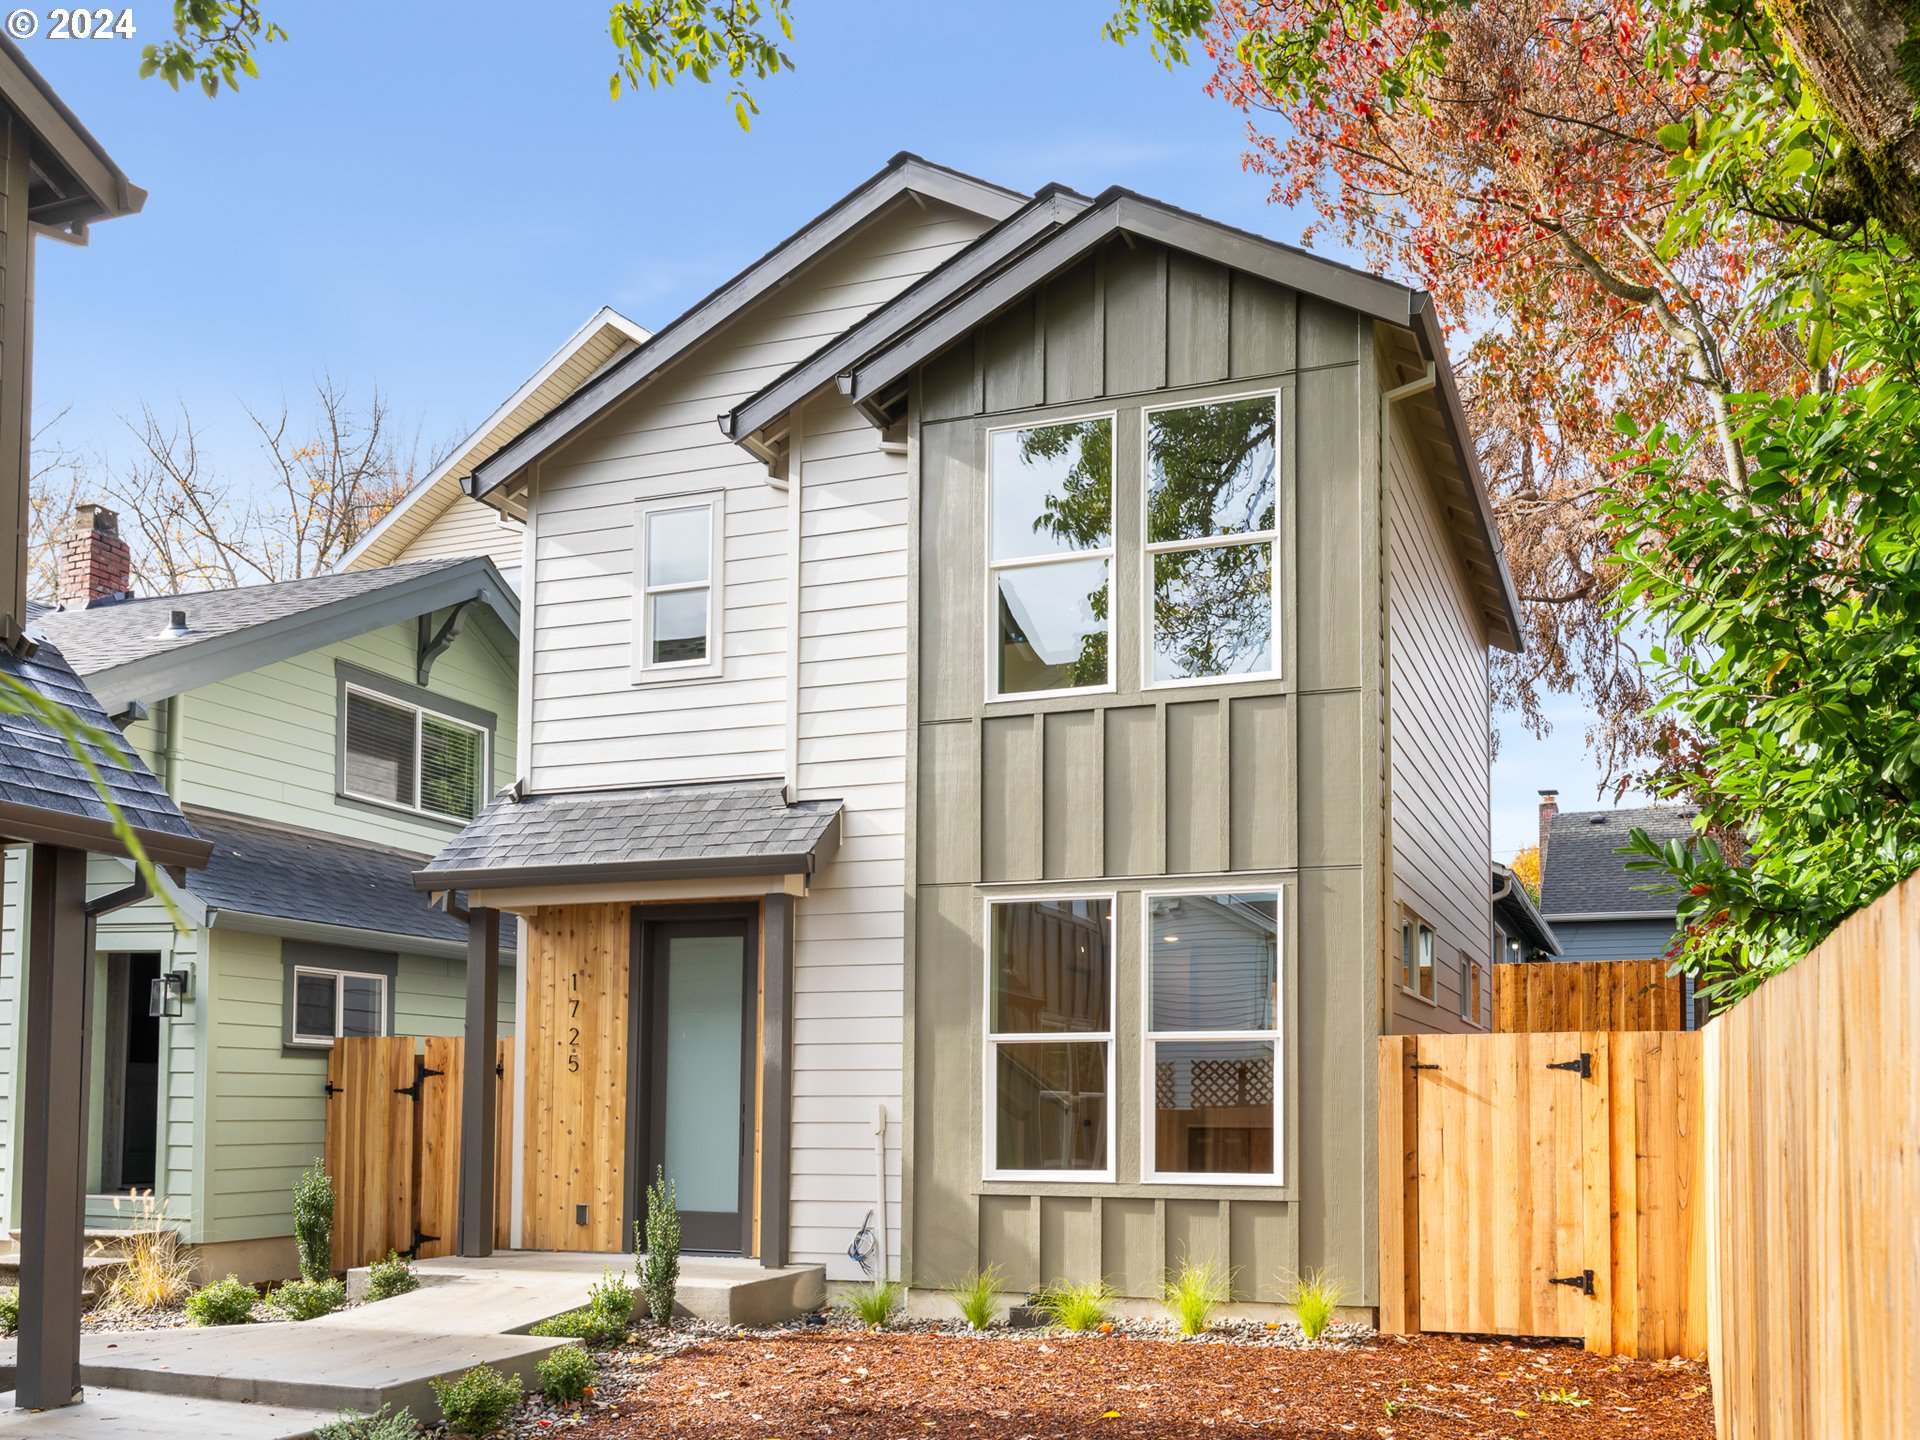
x=224, y=1302
x=385, y=1423
x=313, y=1221
x=308, y=1299
x=603, y=1320
x=1193, y=1292
x=978, y=1297
x=1076, y=1307
x=390, y=1277
x=478, y=1402
x=581, y=1324
x=658, y=1262
x=566, y=1375
x=9, y=1310
x=874, y=1302
x=612, y=1299
x=1316, y=1295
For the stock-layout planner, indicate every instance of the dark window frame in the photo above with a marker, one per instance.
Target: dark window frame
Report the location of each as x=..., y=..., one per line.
x=297, y=955
x=357, y=677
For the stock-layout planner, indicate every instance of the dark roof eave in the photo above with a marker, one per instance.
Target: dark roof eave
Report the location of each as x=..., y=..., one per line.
x=106, y=186
x=703, y=868
x=32, y=824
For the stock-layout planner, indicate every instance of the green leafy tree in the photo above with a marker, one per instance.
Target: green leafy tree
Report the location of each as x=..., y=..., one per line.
x=213, y=44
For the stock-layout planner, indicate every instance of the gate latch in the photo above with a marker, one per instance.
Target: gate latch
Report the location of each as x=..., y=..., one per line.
x=1583, y=1067
x=1583, y=1282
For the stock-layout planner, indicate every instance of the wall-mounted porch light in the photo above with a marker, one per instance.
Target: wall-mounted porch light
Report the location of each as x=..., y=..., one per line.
x=169, y=994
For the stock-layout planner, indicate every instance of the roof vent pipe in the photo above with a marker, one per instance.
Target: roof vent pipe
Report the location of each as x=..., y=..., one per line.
x=176, y=627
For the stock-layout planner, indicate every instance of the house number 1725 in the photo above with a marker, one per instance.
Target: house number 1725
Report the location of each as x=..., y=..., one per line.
x=573, y=1031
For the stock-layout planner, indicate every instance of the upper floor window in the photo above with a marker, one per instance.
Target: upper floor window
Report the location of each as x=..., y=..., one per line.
x=399, y=750
x=1050, y=556
x=1211, y=506
x=677, y=587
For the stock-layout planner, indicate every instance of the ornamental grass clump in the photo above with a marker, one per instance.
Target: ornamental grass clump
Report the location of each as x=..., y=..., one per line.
x=1316, y=1295
x=1193, y=1292
x=385, y=1423
x=308, y=1299
x=1078, y=1308
x=224, y=1302
x=874, y=1302
x=313, y=1221
x=156, y=1275
x=390, y=1277
x=477, y=1403
x=658, y=1262
x=566, y=1375
x=977, y=1296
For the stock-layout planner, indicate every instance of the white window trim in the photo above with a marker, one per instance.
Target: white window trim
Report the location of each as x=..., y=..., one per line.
x=993, y=567
x=991, y=1042
x=339, y=1000
x=1149, y=549
x=645, y=671
x=1410, y=984
x=419, y=776
x=1149, y=1037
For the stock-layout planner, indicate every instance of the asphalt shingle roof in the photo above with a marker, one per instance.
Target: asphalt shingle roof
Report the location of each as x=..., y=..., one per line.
x=102, y=636
x=1583, y=873
x=261, y=869
x=660, y=831
x=37, y=770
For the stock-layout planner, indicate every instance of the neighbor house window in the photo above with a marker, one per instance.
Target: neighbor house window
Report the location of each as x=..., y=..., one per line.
x=677, y=568
x=1213, y=1035
x=1049, y=1060
x=400, y=752
x=1050, y=556
x=1212, y=503
x=1469, y=988
x=333, y=1004
x=1416, y=957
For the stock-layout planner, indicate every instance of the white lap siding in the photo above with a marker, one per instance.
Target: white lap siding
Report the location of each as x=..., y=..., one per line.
x=592, y=726
x=852, y=723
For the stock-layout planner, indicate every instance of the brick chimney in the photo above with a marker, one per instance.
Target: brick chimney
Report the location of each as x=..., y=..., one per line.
x=95, y=563
x=1549, y=807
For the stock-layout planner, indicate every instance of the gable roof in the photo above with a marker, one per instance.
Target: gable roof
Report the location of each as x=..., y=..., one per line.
x=46, y=793
x=1513, y=907
x=655, y=832
x=873, y=380
x=125, y=653
x=605, y=337
x=1584, y=876
x=74, y=181
x=904, y=175
x=1051, y=207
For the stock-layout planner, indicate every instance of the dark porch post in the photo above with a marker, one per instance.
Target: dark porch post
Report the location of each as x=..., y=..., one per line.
x=51, y=1165
x=776, y=1072
x=478, y=1144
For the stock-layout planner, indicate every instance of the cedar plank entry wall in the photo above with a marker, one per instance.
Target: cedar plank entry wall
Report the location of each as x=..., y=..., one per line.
x=1587, y=995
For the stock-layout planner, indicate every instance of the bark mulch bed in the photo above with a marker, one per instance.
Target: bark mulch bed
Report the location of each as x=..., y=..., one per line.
x=844, y=1385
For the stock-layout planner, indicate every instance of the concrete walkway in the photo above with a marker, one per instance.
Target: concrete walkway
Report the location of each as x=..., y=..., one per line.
x=269, y=1382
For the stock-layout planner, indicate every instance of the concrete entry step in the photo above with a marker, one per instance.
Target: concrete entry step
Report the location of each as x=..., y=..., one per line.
x=97, y=1272
x=718, y=1291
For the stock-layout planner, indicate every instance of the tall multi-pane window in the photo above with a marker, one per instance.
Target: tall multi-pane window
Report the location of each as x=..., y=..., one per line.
x=1050, y=556
x=1049, y=1036
x=1213, y=1035
x=1212, y=505
x=676, y=589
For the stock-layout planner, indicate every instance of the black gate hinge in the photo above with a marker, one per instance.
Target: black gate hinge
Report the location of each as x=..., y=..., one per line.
x=1583, y=1282
x=420, y=1237
x=1583, y=1067
x=1417, y=1065
x=412, y=1092
x=333, y=1089
x=499, y=1070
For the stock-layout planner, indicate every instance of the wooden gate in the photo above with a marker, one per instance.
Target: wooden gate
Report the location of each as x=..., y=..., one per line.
x=1544, y=1185
x=393, y=1146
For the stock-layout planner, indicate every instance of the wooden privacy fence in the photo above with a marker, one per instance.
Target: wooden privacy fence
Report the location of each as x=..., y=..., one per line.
x=1544, y=1185
x=393, y=1145
x=1587, y=995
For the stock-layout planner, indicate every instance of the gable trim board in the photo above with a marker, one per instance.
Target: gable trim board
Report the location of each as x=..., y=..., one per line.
x=105, y=191
x=193, y=662
x=607, y=329
x=906, y=175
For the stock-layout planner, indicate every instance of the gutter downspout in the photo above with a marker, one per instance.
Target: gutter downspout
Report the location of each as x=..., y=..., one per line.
x=880, y=1187
x=170, y=755
x=796, y=469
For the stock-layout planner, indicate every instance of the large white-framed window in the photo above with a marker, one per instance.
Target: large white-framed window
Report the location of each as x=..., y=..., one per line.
x=1049, y=1064
x=1214, y=1049
x=1212, y=497
x=330, y=1004
x=398, y=753
x=1050, y=558
x=678, y=583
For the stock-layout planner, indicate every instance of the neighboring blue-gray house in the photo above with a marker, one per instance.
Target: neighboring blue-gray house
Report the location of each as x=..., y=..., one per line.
x=1597, y=907
x=1520, y=935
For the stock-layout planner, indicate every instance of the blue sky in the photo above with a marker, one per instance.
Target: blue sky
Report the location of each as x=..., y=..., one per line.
x=430, y=197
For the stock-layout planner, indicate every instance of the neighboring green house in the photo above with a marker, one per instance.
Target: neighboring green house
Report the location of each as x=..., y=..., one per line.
x=326, y=734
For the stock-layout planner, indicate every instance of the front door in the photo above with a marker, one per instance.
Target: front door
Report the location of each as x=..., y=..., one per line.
x=699, y=984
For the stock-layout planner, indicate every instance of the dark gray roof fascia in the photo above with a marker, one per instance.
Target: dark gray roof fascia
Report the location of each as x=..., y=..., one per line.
x=722, y=867
x=1051, y=208
x=108, y=191
x=904, y=174
x=219, y=657
x=323, y=934
x=32, y=824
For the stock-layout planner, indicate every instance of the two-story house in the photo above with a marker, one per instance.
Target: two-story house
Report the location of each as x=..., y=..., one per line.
x=979, y=804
